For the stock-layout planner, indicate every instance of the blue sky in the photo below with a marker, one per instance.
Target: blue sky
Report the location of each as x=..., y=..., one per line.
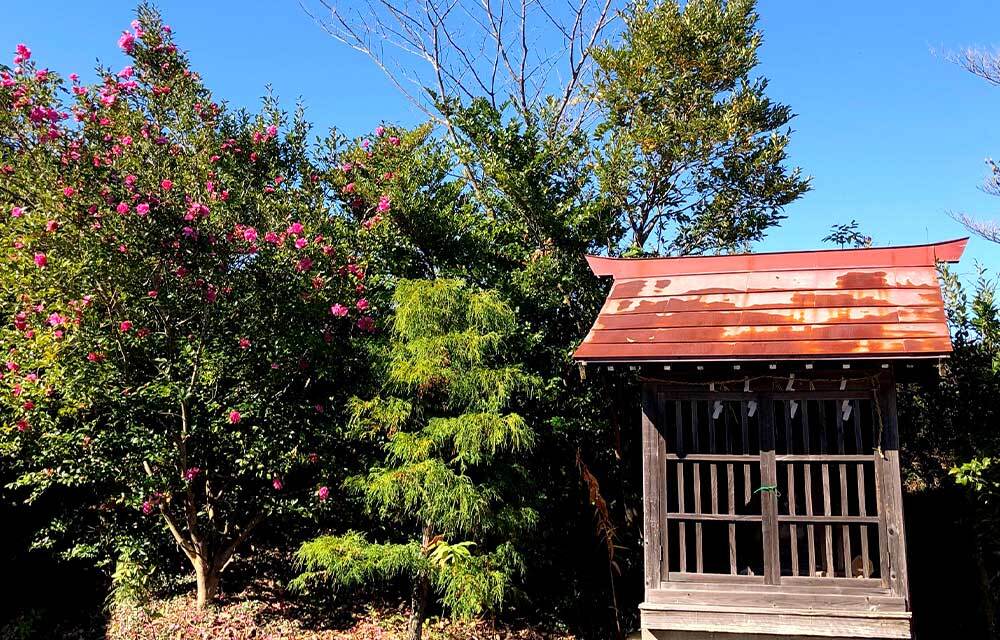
x=893, y=134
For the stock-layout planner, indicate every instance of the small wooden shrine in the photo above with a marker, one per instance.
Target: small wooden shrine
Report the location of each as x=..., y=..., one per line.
x=772, y=499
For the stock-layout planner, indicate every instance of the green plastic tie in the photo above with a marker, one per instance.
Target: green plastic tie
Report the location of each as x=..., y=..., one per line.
x=768, y=487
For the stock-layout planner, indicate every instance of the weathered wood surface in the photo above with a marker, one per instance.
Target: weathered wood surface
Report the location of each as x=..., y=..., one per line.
x=786, y=622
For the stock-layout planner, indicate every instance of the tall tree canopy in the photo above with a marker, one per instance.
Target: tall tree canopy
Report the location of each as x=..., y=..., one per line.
x=692, y=151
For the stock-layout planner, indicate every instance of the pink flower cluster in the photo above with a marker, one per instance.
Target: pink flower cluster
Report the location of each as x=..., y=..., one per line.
x=21, y=53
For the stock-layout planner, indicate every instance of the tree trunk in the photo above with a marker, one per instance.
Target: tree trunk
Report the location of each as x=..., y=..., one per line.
x=208, y=574
x=418, y=605
x=420, y=596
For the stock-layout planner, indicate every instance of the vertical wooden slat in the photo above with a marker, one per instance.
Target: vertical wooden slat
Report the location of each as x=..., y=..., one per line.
x=730, y=494
x=866, y=567
x=768, y=499
x=827, y=528
x=744, y=426
x=713, y=470
x=661, y=475
x=825, y=472
x=793, y=529
x=698, y=549
x=651, y=492
x=681, y=524
x=732, y=525
x=696, y=483
x=807, y=488
x=845, y=529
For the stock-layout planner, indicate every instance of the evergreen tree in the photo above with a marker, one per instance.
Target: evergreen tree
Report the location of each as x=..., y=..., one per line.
x=448, y=477
x=691, y=149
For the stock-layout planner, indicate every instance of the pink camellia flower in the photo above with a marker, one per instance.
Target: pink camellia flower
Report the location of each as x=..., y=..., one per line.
x=74, y=77
x=277, y=483
x=212, y=294
x=56, y=320
x=272, y=130
x=126, y=140
x=147, y=507
x=362, y=304
x=295, y=228
x=21, y=321
x=130, y=180
x=305, y=264
x=51, y=225
x=31, y=377
x=69, y=191
x=13, y=366
x=17, y=390
x=166, y=184
x=244, y=343
x=349, y=187
x=95, y=356
x=28, y=405
x=323, y=493
x=394, y=141
x=22, y=53
x=126, y=72
x=380, y=131
x=366, y=324
x=124, y=326
x=384, y=204
x=346, y=167
x=126, y=42
x=17, y=212
x=338, y=310
x=250, y=234
x=142, y=209
x=153, y=293
x=300, y=243
x=234, y=417
x=191, y=474
x=122, y=208
x=22, y=425
x=272, y=237
x=41, y=260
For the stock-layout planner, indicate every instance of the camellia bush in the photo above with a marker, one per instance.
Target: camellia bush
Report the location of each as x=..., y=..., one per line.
x=180, y=307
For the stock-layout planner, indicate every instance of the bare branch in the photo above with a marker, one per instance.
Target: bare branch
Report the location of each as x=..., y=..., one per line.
x=986, y=229
x=985, y=64
x=468, y=49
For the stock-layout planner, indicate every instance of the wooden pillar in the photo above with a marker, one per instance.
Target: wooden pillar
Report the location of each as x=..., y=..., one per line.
x=653, y=481
x=891, y=488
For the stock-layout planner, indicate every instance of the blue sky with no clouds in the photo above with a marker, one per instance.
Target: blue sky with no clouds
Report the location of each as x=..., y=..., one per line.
x=893, y=134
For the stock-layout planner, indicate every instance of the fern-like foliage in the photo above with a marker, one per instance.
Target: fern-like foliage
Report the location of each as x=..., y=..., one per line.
x=450, y=439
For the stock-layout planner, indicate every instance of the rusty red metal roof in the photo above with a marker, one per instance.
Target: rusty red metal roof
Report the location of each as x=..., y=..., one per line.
x=831, y=304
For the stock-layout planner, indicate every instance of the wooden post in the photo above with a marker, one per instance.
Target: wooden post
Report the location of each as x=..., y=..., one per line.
x=768, y=496
x=651, y=491
x=892, y=487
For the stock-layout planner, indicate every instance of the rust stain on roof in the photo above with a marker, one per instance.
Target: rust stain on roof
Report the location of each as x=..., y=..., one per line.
x=839, y=303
